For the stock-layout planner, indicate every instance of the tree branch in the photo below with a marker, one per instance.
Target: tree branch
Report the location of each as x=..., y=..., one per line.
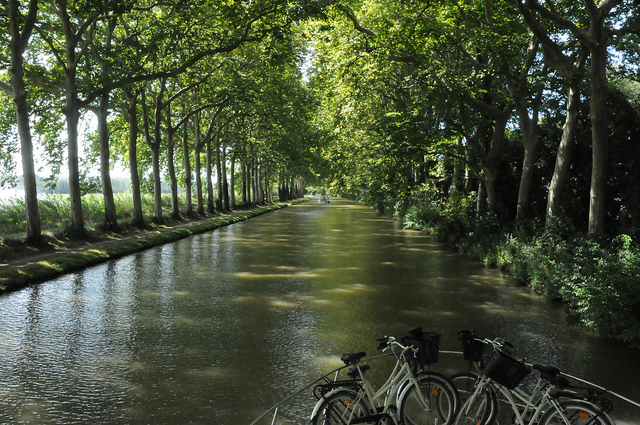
x=6, y=88
x=29, y=23
x=555, y=17
x=354, y=20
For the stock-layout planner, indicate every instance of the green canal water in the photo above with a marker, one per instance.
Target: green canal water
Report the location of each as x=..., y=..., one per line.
x=217, y=328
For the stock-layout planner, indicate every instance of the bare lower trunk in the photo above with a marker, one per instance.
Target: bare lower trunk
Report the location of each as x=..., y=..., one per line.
x=138, y=217
x=225, y=181
x=157, y=186
x=200, y=200
x=563, y=157
x=110, y=217
x=33, y=228
x=219, y=205
x=18, y=43
x=187, y=172
x=75, y=196
x=232, y=182
x=599, y=138
x=210, y=201
x=175, y=205
x=490, y=166
x=245, y=188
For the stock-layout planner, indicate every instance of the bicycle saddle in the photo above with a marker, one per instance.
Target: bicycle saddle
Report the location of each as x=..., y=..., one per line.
x=349, y=358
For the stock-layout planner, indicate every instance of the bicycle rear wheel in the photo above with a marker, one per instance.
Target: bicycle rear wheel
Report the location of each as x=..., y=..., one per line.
x=465, y=384
x=576, y=412
x=340, y=408
x=480, y=408
x=431, y=401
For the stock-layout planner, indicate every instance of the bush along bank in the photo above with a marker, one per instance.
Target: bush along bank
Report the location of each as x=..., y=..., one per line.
x=598, y=280
x=14, y=278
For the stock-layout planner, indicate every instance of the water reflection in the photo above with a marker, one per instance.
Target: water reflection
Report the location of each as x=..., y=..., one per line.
x=218, y=327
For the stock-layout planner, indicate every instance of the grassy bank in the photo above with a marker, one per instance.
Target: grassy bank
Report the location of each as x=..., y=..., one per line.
x=12, y=278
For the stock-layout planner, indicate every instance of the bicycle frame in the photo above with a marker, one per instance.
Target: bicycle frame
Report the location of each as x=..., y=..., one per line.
x=527, y=408
x=401, y=377
x=385, y=401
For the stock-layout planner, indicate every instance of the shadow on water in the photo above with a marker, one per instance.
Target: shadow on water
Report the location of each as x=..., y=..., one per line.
x=218, y=327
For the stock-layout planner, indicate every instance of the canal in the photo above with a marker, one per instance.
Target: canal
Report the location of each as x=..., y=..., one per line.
x=216, y=328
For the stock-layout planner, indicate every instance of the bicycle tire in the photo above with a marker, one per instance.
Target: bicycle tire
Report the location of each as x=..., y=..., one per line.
x=340, y=408
x=445, y=382
x=465, y=384
x=577, y=412
x=432, y=400
x=479, y=409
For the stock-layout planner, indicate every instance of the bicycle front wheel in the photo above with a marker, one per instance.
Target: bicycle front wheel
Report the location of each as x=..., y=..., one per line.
x=340, y=408
x=429, y=402
x=576, y=412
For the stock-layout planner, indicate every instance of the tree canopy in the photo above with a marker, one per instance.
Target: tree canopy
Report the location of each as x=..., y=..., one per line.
x=526, y=108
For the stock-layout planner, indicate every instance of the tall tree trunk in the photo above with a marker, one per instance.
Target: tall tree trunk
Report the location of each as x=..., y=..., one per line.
x=291, y=188
x=255, y=183
x=529, y=129
x=490, y=164
x=245, y=188
x=457, y=180
x=75, y=196
x=138, y=216
x=197, y=150
x=175, y=204
x=187, y=171
x=526, y=98
x=157, y=185
x=154, y=145
x=252, y=179
x=565, y=149
x=232, y=181
x=155, y=158
x=481, y=204
x=199, y=197
x=72, y=113
x=528, y=168
x=17, y=90
x=225, y=181
x=599, y=134
x=110, y=217
x=210, y=201
x=219, y=206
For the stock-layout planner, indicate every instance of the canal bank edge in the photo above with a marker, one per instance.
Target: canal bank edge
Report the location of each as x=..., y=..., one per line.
x=14, y=278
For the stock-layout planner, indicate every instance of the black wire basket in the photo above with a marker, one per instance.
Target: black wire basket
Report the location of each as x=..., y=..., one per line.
x=505, y=370
x=427, y=343
x=472, y=347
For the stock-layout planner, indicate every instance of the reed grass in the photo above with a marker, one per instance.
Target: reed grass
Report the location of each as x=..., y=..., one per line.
x=55, y=211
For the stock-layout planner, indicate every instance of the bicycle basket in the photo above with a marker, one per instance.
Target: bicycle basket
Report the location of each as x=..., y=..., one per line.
x=427, y=343
x=472, y=349
x=506, y=370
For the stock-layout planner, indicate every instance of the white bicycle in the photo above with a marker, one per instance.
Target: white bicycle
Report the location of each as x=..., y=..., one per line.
x=409, y=396
x=546, y=404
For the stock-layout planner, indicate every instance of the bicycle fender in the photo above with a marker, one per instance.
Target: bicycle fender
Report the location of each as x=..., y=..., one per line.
x=316, y=408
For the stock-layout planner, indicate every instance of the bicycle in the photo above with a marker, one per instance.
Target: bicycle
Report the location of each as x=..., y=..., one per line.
x=410, y=396
x=546, y=404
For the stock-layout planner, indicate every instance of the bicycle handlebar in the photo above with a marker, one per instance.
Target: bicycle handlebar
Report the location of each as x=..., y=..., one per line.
x=390, y=342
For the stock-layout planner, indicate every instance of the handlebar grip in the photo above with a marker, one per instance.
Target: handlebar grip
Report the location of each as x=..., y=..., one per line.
x=383, y=343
